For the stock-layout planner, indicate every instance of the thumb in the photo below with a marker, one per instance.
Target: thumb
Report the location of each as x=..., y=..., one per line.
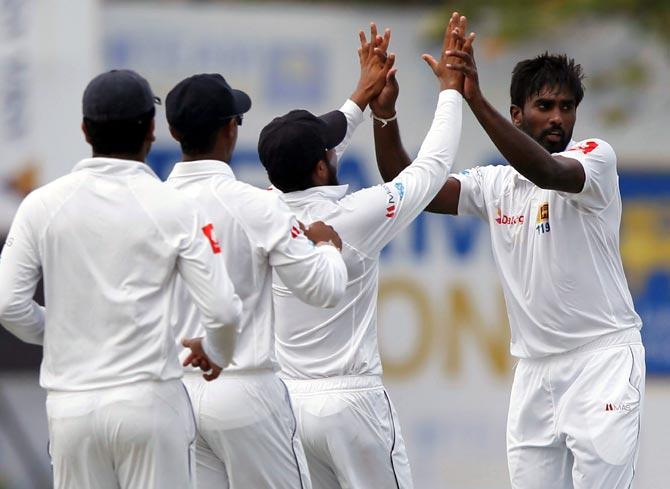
x=390, y=76
x=390, y=60
x=430, y=60
x=467, y=46
x=185, y=342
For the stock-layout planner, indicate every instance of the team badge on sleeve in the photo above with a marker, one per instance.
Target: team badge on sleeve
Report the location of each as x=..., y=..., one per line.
x=209, y=233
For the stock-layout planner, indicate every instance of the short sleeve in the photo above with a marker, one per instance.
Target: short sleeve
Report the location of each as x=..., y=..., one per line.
x=472, y=199
x=599, y=162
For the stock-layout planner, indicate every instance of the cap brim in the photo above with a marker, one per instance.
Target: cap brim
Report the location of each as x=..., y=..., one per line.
x=242, y=101
x=336, y=127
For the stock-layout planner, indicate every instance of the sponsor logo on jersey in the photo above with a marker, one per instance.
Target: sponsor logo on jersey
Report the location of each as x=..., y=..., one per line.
x=209, y=233
x=295, y=231
x=623, y=406
x=586, y=147
x=391, y=204
x=505, y=219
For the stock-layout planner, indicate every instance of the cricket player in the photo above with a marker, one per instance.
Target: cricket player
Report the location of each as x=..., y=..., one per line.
x=554, y=216
x=330, y=358
x=110, y=240
x=247, y=430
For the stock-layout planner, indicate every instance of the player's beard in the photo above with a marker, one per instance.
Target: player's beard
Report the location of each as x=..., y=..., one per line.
x=332, y=175
x=550, y=146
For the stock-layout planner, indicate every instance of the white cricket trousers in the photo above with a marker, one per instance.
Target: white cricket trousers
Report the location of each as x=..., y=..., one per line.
x=246, y=433
x=574, y=418
x=136, y=436
x=350, y=433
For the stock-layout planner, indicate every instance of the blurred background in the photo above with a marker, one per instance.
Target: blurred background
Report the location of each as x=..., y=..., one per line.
x=443, y=327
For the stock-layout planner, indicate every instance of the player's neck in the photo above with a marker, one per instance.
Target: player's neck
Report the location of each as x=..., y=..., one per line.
x=141, y=157
x=213, y=155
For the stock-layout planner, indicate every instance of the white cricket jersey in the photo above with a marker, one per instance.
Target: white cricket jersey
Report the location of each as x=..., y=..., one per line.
x=557, y=253
x=316, y=343
x=256, y=233
x=110, y=240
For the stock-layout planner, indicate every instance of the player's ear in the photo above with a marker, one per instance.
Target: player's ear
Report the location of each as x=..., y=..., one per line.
x=85, y=131
x=151, y=136
x=320, y=173
x=175, y=134
x=516, y=114
x=231, y=128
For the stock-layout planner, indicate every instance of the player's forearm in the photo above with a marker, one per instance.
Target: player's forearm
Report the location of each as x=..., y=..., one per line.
x=354, y=115
x=219, y=344
x=24, y=319
x=391, y=155
x=422, y=180
x=319, y=280
x=213, y=293
x=440, y=145
x=520, y=150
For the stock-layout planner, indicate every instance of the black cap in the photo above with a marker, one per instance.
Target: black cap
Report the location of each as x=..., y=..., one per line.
x=299, y=139
x=203, y=101
x=118, y=95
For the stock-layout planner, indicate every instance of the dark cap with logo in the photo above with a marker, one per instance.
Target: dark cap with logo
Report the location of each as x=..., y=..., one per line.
x=295, y=142
x=118, y=95
x=202, y=101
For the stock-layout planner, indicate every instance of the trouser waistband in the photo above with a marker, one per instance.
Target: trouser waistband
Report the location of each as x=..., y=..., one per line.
x=233, y=374
x=628, y=336
x=340, y=383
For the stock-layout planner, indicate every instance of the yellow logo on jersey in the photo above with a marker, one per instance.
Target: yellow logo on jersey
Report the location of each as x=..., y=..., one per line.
x=543, y=213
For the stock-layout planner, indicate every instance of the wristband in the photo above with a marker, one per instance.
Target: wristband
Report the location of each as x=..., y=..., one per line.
x=382, y=120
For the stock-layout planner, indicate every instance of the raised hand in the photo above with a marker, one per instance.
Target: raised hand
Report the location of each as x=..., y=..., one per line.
x=464, y=61
x=384, y=104
x=453, y=42
x=198, y=358
x=375, y=65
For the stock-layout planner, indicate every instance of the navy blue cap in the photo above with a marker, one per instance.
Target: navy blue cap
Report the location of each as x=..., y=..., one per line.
x=118, y=95
x=204, y=100
x=300, y=139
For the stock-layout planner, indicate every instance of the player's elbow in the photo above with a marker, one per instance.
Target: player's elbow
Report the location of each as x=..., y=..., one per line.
x=334, y=292
x=7, y=305
x=333, y=285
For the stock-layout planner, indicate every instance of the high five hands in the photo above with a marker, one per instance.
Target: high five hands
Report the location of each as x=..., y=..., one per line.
x=376, y=64
x=455, y=68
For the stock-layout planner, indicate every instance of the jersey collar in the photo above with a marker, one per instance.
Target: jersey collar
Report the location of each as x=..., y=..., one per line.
x=201, y=168
x=113, y=166
x=324, y=192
